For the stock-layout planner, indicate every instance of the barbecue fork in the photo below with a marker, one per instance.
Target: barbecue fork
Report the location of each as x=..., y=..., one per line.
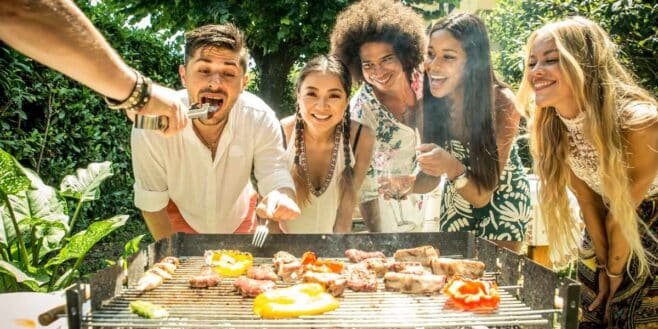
x=261, y=232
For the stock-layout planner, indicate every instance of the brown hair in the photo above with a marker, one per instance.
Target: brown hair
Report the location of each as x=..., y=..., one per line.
x=226, y=36
x=379, y=21
x=332, y=65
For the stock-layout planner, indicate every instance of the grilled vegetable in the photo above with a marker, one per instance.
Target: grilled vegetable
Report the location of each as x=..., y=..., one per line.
x=471, y=295
x=148, y=310
x=229, y=262
x=294, y=301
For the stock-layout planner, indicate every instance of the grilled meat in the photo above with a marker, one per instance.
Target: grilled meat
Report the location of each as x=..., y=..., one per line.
x=334, y=283
x=262, y=272
x=151, y=279
x=252, y=287
x=355, y=255
x=463, y=267
x=414, y=283
x=167, y=267
x=171, y=260
x=407, y=267
x=419, y=254
x=360, y=278
x=377, y=265
x=287, y=266
x=206, y=278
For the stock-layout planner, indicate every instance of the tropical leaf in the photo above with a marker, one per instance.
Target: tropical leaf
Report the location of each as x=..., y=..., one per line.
x=12, y=175
x=84, y=185
x=33, y=281
x=81, y=243
x=51, y=233
x=40, y=201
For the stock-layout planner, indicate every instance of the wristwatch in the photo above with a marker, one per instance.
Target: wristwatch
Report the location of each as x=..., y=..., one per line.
x=461, y=180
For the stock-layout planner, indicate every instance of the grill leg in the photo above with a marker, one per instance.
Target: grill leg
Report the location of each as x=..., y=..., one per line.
x=74, y=297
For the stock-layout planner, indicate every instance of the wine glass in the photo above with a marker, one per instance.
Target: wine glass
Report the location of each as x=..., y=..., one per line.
x=396, y=183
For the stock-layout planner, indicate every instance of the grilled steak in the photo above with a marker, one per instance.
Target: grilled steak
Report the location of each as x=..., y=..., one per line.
x=419, y=254
x=407, y=267
x=262, y=272
x=206, y=278
x=355, y=255
x=334, y=283
x=377, y=265
x=414, y=283
x=463, y=267
x=252, y=287
x=359, y=278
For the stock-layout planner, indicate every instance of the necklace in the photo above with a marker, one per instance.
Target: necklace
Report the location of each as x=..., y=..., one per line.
x=332, y=164
x=211, y=145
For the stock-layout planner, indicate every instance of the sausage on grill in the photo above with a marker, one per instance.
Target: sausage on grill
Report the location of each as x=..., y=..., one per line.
x=206, y=278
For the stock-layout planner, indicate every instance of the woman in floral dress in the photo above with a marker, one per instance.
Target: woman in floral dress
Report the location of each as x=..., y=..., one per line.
x=471, y=121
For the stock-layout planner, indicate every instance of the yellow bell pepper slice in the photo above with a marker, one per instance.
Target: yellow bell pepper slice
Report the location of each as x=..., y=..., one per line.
x=230, y=263
x=294, y=301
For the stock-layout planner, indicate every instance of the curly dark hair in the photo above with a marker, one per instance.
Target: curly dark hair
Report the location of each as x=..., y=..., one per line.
x=379, y=21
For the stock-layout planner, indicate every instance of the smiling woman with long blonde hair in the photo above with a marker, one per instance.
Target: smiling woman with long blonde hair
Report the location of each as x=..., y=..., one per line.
x=595, y=131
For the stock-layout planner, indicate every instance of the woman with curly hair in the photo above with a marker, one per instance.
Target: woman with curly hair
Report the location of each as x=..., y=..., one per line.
x=472, y=134
x=595, y=131
x=383, y=42
x=327, y=154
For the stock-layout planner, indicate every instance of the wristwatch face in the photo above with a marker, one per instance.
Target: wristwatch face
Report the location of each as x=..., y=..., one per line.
x=460, y=182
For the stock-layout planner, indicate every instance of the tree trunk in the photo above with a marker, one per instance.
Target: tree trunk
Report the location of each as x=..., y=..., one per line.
x=274, y=69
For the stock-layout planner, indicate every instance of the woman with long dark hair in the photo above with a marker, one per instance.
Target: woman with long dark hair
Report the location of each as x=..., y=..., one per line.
x=471, y=122
x=327, y=153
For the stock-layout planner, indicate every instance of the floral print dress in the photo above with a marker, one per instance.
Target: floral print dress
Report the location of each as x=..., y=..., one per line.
x=505, y=217
x=394, y=151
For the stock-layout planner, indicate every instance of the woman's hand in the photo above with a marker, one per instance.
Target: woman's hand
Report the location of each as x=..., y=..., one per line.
x=436, y=161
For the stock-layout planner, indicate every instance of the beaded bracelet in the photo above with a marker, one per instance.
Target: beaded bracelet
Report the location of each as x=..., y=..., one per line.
x=139, y=96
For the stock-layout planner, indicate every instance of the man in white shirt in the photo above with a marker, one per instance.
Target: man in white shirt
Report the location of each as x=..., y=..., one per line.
x=205, y=170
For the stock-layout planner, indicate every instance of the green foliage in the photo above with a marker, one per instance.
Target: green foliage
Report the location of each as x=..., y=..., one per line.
x=55, y=125
x=36, y=250
x=631, y=24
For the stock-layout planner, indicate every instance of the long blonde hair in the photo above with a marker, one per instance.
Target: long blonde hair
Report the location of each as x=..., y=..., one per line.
x=601, y=87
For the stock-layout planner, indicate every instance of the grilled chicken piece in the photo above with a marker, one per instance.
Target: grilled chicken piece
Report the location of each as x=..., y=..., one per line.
x=167, y=267
x=149, y=281
x=407, y=267
x=377, y=265
x=419, y=254
x=334, y=283
x=414, y=283
x=262, y=272
x=359, y=278
x=251, y=287
x=463, y=267
x=287, y=266
x=356, y=255
x=206, y=278
x=171, y=260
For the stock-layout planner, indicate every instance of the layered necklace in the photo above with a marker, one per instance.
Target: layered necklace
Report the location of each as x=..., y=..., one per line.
x=332, y=165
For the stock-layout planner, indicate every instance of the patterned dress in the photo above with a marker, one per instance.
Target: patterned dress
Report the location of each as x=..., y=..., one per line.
x=505, y=217
x=394, y=151
x=635, y=304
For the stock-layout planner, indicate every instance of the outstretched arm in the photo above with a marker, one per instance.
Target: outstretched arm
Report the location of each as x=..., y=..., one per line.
x=57, y=34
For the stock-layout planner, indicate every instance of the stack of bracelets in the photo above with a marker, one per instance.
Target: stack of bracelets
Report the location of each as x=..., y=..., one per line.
x=138, y=98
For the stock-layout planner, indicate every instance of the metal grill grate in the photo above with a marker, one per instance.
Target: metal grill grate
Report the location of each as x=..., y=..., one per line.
x=222, y=307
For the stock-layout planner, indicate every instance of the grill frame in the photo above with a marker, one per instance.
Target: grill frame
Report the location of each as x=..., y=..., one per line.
x=511, y=268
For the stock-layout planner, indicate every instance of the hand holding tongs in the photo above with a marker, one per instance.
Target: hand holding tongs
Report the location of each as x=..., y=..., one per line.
x=153, y=122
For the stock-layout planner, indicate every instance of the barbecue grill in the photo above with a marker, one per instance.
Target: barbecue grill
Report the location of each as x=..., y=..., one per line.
x=528, y=290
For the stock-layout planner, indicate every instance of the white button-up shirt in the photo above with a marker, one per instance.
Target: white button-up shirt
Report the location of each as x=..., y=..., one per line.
x=212, y=196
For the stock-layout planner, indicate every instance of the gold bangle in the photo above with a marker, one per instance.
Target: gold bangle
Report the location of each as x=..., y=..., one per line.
x=613, y=275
